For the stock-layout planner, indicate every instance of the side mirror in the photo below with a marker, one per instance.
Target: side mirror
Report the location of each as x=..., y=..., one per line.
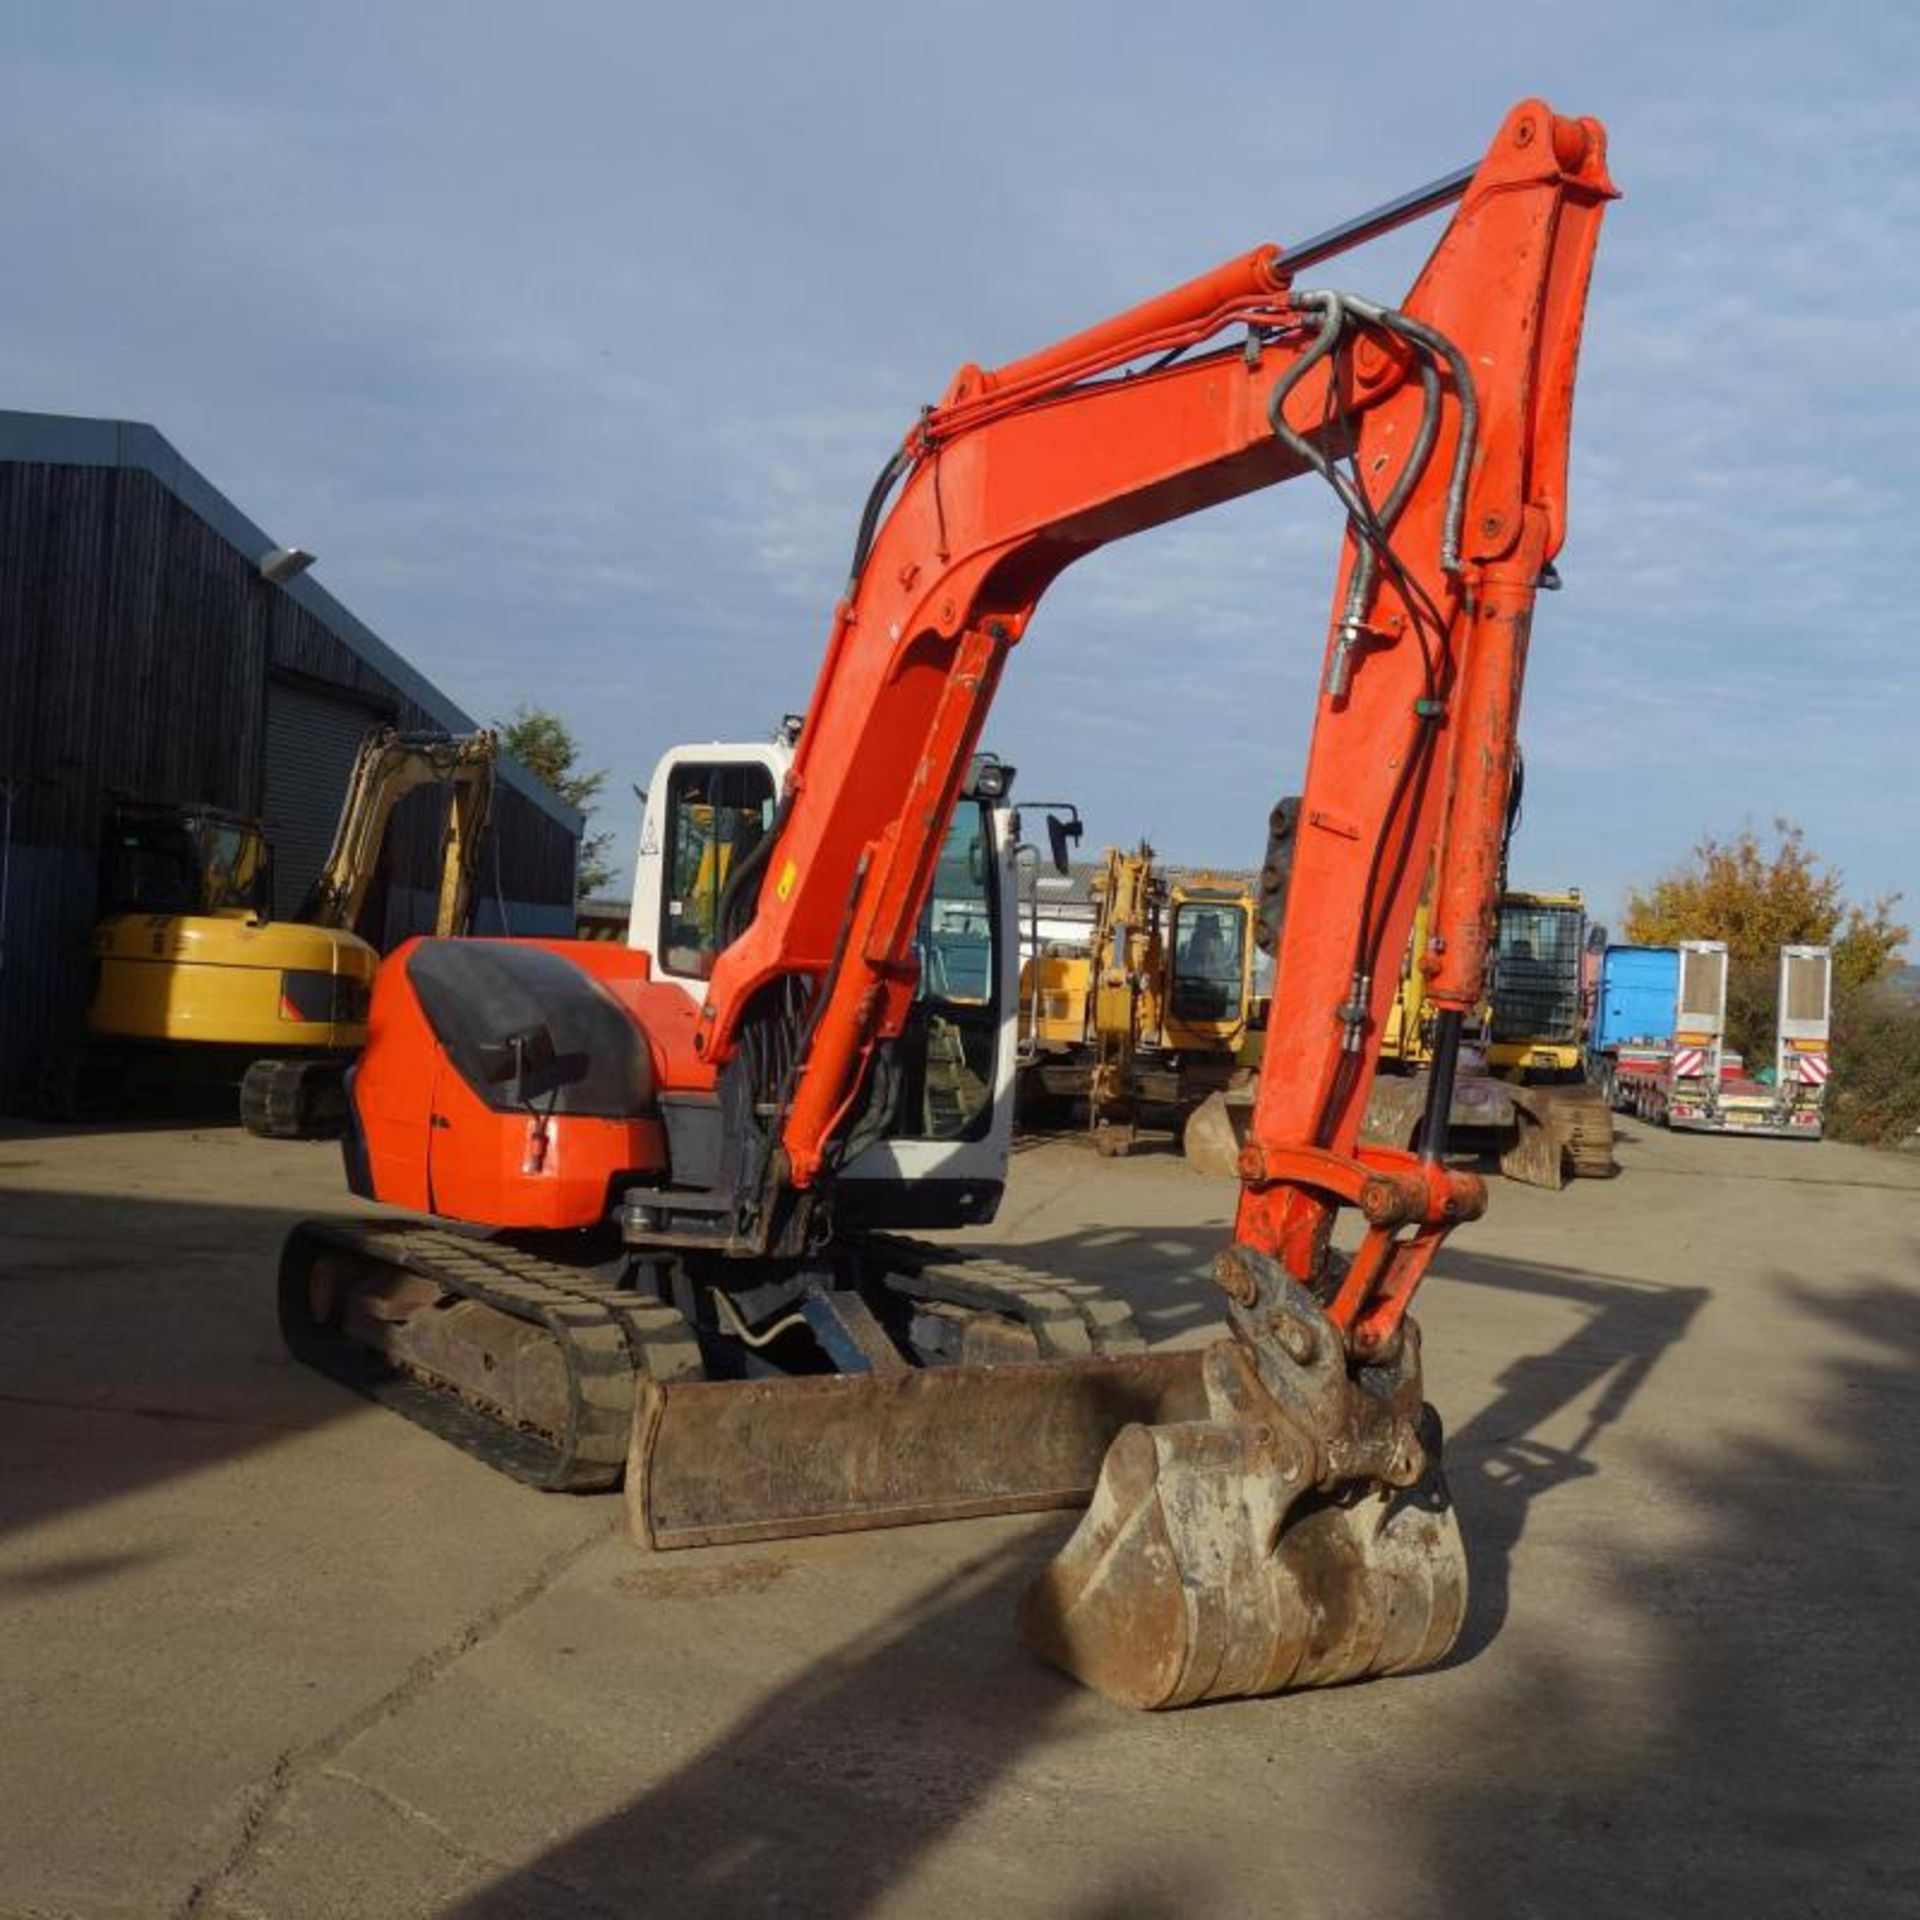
x=1060, y=835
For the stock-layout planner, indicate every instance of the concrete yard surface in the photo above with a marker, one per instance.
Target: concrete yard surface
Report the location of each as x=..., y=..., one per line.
x=266, y=1650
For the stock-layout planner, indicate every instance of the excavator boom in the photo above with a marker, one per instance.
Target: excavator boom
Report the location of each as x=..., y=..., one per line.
x=1019, y=472
x=1443, y=426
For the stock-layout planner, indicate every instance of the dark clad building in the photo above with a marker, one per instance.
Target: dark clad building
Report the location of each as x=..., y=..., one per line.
x=143, y=656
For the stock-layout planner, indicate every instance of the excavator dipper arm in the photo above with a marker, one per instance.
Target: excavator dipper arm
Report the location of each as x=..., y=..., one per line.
x=389, y=766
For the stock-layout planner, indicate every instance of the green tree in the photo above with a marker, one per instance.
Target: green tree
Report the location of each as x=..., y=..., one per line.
x=1759, y=898
x=543, y=743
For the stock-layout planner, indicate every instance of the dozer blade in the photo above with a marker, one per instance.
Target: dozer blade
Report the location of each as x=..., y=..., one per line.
x=1300, y=1535
x=721, y=1461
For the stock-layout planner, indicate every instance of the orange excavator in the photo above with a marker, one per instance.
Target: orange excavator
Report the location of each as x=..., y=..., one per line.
x=675, y=1261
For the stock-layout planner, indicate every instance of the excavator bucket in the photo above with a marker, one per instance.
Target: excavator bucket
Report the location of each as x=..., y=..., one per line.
x=1298, y=1535
x=1215, y=1132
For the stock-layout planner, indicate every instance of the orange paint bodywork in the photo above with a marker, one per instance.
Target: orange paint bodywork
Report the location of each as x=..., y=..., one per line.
x=432, y=1142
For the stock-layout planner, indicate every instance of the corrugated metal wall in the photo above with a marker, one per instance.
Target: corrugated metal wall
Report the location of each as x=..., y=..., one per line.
x=134, y=645
x=44, y=920
x=137, y=649
x=313, y=737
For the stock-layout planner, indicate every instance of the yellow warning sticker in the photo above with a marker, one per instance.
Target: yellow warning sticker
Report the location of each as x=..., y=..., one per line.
x=788, y=875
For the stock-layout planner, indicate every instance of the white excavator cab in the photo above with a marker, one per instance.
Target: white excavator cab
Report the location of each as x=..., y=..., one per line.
x=941, y=1159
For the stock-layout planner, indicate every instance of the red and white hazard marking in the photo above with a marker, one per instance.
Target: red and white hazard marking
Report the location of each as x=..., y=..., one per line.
x=1689, y=1063
x=1814, y=1069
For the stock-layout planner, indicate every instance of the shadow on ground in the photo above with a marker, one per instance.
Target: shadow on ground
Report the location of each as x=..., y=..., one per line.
x=831, y=1799
x=137, y=1342
x=1729, y=1730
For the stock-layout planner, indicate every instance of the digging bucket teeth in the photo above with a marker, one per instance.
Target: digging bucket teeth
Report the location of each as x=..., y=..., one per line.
x=1299, y=1535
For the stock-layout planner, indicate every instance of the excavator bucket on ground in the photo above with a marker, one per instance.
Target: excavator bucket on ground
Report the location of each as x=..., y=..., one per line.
x=1215, y=1132
x=1298, y=1535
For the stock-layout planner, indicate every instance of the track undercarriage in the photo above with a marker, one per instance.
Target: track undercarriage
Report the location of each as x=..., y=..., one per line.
x=887, y=1383
x=296, y=1098
x=1307, y=1487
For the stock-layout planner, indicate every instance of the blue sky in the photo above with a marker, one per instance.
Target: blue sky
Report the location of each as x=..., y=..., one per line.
x=571, y=337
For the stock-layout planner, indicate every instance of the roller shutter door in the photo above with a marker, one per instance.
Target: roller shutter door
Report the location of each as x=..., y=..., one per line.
x=312, y=738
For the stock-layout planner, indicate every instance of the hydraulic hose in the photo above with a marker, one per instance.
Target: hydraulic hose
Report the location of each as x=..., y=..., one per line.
x=1436, y=342
x=1372, y=529
x=870, y=514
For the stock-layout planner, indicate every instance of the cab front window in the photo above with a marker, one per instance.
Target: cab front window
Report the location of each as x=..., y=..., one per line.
x=1209, y=961
x=954, y=1028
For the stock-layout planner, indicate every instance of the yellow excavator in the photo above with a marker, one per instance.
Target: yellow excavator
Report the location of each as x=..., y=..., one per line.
x=1543, y=1128
x=194, y=982
x=1150, y=1020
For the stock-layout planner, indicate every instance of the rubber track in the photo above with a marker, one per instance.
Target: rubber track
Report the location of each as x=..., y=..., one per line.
x=605, y=1335
x=275, y=1099
x=1068, y=1318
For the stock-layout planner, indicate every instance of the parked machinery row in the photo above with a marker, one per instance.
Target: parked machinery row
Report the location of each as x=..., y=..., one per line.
x=1520, y=1091
x=1153, y=1014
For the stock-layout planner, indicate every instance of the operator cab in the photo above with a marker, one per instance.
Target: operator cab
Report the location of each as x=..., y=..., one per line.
x=158, y=859
x=717, y=814
x=1209, y=939
x=710, y=812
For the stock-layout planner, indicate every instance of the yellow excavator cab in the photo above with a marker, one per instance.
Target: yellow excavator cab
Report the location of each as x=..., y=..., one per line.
x=1534, y=986
x=1209, y=999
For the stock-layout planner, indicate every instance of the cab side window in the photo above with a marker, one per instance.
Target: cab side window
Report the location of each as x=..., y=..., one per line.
x=716, y=816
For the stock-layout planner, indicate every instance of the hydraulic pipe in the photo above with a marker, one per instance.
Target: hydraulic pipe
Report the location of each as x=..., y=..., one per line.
x=1381, y=219
x=1266, y=270
x=1440, y=1078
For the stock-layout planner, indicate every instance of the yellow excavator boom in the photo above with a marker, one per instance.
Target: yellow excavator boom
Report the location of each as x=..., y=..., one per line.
x=389, y=766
